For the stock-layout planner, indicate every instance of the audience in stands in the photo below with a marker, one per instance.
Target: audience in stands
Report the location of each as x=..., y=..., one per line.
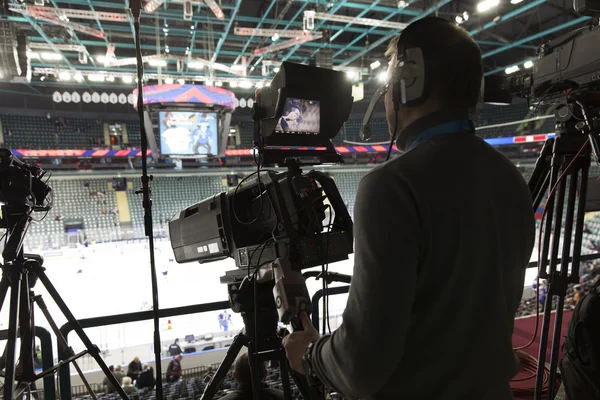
x=134, y=369
x=118, y=374
x=174, y=369
x=128, y=386
x=243, y=377
x=174, y=349
x=146, y=378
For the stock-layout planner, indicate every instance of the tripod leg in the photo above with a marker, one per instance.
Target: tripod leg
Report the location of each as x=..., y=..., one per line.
x=215, y=382
x=4, y=285
x=62, y=343
x=92, y=349
x=285, y=376
x=13, y=322
x=26, y=324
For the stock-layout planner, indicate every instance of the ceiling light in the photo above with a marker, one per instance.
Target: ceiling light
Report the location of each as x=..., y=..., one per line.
x=218, y=83
x=486, y=5
x=402, y=4
x=78, y=77
x=64, y=76
x=233, y=84
x=209, y=83
x=169, y=81
x=110, y=78
x=276, y=69
x=127, y=79
x=268, y=84
x=195, y=65
x=181, y=81
x=375, y=64
x=101, y=59
x=246, y=84
x=167, y=50
x=192, y=27
x=166, y=25
x=382, y=77
x=511, y=70
x=165, y=30
x=259, y=85
x=465, y=16
x=51, y=56
x=528, y=64
x=42, y=78
x=95, y=77
x=275, y=37
x=515, y=1
x=32, y=54
x=157, y=63
x=353, y=75
x=459, y=20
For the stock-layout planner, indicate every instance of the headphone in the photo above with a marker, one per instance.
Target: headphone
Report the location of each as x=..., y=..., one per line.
x=410, y=83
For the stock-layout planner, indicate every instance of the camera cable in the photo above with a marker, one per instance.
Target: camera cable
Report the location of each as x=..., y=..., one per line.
x=393, y=139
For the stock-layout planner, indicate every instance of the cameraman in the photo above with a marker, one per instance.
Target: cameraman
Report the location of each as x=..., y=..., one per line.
x=442, y=236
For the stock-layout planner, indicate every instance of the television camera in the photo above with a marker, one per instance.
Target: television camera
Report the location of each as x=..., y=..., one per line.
x=566, y=78
x=273, y=224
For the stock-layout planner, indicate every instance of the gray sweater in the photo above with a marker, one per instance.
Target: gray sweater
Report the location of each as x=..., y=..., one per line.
x=442, y=236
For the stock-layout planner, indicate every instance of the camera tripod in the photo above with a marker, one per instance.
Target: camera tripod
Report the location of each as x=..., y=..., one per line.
x=263, y=340
x=20, y=273
x=568, y=158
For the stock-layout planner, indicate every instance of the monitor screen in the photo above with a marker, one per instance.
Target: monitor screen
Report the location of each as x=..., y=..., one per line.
x=300, y=117
x=188, y=133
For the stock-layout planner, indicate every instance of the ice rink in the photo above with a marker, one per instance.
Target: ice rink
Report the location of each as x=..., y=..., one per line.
x=114, y=278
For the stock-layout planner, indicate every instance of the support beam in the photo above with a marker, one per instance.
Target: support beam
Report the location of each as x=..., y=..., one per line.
x=360, y=15
x=508, y=16
x=262, y=20
x=390, y=35
x=226, y=31
x=536, y=36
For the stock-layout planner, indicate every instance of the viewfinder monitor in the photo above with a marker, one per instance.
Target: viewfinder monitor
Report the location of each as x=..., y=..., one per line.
x=300, y=117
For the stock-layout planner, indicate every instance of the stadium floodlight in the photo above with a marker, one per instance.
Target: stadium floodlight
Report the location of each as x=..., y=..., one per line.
x=78, y=77
x=95, y=77
x=259, y=85
x=276, y=69
x=218, y=83
x=181, y=81
x=169, y=81
x=127, y=79
x=208, y=83
x=511, y=69
x=515, y=1
x=528, y=64
x=48, y=56
x=233, y=84
x=382, y=77
x=375, y=64
x=487, y=5
x=459, y=19
x=275, y=37
x=352, y=75
x=33, y=55
x=402, y=4
x=157, y=63
x=110, y=78
x=64, y=76
x=245, y=84
x=465, y=16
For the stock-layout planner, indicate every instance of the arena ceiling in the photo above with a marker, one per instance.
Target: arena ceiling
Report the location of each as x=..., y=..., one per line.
x=71, y=41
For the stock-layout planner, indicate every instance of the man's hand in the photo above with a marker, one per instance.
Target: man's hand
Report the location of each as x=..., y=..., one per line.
x=295, y=343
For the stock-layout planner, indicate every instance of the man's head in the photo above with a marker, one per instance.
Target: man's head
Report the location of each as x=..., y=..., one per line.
x=178, y=357
x=118, y=368
x=145, y=366
x=137, y=359
x=453, y=69
x=241, y=373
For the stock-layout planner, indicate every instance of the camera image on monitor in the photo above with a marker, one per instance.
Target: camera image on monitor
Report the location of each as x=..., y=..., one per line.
x=188, y=133
x=300, y=116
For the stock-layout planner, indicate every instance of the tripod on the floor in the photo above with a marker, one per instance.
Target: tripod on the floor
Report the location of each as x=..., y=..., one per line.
x=20, y=273
x=262, y=338
x=576, y=138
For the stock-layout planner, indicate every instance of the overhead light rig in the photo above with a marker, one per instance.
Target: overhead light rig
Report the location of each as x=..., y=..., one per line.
x=305, y=37
x=310, y=16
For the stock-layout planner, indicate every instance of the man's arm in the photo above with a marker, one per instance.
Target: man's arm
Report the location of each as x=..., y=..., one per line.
x=359, y=358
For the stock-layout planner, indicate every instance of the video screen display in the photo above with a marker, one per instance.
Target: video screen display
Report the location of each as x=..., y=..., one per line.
x=300, y=116
x=188, y=133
